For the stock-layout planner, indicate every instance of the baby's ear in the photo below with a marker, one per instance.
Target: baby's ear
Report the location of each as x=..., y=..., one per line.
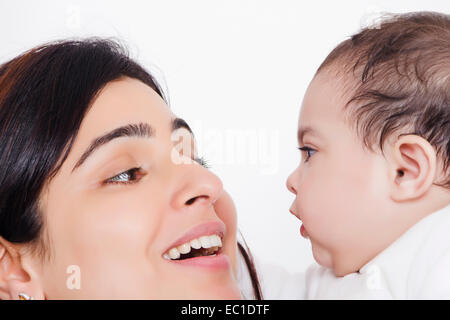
x=412, y=167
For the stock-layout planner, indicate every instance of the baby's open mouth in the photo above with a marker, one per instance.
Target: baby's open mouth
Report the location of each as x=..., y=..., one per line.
x=209, y=245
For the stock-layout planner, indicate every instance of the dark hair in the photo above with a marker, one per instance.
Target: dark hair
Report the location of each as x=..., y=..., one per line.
x=402, y=71
x=44, y=95
x=249, y=262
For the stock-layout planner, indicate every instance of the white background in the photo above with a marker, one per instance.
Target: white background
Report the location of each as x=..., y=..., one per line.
x=230, y=67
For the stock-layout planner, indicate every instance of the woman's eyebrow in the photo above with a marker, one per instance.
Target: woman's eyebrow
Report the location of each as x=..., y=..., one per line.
x=140, y=130
x=178, y=123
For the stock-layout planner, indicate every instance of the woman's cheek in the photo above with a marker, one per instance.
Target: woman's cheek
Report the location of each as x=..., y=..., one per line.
x=226, y=211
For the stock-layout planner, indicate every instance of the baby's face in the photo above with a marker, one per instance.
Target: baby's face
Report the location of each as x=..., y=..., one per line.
x=341, y=188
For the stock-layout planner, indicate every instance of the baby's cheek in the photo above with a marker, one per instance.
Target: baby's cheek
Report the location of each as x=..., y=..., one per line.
x=323, y=209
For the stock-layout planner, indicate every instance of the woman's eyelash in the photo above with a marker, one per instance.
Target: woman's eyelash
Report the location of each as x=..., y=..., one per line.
x=308, y=151
x=131, y=172
x=202, y=161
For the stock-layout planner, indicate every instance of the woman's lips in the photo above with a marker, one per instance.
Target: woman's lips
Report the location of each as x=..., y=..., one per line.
x=219, y=261
x=216, y=261
x=208, y=228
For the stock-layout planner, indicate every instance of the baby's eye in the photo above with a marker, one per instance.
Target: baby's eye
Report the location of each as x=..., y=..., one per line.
x=309, y=152
x=126, y=177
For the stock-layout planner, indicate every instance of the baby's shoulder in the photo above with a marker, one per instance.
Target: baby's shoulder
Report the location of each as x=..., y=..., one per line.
x=279, y=283
x=429, y=269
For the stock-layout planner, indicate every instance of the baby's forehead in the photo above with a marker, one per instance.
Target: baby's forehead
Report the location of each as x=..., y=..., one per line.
x=326, y=97
x=324, y=114
x=339, y=82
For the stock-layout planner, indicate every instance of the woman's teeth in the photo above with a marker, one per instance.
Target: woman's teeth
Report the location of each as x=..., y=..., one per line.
x=212, y=243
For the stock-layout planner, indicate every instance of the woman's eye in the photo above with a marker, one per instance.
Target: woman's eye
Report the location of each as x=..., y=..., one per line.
x=202, y=161
x=132, y=175
x=126, y=177
x=309, y=152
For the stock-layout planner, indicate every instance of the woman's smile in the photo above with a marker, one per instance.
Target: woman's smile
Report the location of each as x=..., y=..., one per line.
x=200, y=246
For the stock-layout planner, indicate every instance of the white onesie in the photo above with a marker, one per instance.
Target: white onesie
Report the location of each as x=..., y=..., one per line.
x=415, y=266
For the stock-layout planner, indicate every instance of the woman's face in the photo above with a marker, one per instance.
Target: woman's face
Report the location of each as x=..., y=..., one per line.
x=113, y=214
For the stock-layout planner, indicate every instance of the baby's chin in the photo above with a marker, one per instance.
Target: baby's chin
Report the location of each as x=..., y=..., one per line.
x=321, y=255
x=324, y=258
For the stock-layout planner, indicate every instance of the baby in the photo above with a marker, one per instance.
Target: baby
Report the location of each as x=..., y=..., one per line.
x=373, y=186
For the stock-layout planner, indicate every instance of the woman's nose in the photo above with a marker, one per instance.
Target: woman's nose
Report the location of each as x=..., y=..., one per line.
x=197, y=185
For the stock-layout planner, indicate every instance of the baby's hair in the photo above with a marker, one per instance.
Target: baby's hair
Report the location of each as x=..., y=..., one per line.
x=397, y=74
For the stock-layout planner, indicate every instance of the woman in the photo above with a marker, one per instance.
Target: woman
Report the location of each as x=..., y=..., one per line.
x=100, y=195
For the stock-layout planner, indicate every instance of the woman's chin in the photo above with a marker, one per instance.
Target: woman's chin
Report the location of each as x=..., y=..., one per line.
x=221, y=294
x=192, y=286
x=214, y=292
x=217, y=292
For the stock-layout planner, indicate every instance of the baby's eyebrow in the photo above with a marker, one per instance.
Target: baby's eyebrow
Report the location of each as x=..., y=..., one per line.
x=302, y=131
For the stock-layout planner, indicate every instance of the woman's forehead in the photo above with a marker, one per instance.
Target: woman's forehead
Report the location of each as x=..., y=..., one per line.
x=125, y=100
x=120, y=104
